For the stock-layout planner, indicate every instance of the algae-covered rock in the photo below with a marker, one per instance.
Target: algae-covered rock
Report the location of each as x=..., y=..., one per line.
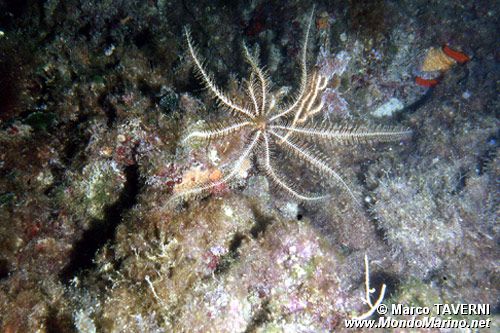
x=225, y=267
x=99, y=186
x=96, y=101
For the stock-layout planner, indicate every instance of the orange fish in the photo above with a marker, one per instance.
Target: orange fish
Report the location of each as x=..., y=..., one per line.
x=429, y=83
x=458, y=56
x=440, y=60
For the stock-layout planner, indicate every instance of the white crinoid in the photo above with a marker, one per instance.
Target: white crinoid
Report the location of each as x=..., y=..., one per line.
x=276, y=126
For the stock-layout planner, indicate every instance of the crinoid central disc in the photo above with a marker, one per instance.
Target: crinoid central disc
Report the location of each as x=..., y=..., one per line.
x=261, y=123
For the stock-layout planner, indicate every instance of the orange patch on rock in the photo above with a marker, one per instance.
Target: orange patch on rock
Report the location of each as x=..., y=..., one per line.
x=215, y=175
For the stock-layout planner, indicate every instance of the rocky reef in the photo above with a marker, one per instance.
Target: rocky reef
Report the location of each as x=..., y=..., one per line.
x=96, y=98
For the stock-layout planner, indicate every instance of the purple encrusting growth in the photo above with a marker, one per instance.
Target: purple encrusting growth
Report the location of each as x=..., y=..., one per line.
x=330, y=66
x=96, y=97
x=230, y=290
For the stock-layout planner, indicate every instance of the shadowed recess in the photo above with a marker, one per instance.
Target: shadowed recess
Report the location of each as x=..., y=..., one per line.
x=231, y=256
x=261, y=223
x=102, y=231
x=4, y=269
x=379, y=278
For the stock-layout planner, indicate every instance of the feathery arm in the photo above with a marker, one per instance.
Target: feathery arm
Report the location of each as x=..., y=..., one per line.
x=303, y=67
x=276, y=179
x=251, y=93
x=314, y=159
x=209, y=82
x=216, y=133
x=348, y=134
x=262, y=79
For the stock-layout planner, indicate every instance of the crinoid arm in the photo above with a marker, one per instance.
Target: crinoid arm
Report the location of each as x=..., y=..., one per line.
x=314, y=158
x=263, y=83
x=309, y=105
x=216, y=132
x=278, y=180
x=338, y=134
x=251, y=92
x=200, y=188
x=303, y=79
x=210, y=82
